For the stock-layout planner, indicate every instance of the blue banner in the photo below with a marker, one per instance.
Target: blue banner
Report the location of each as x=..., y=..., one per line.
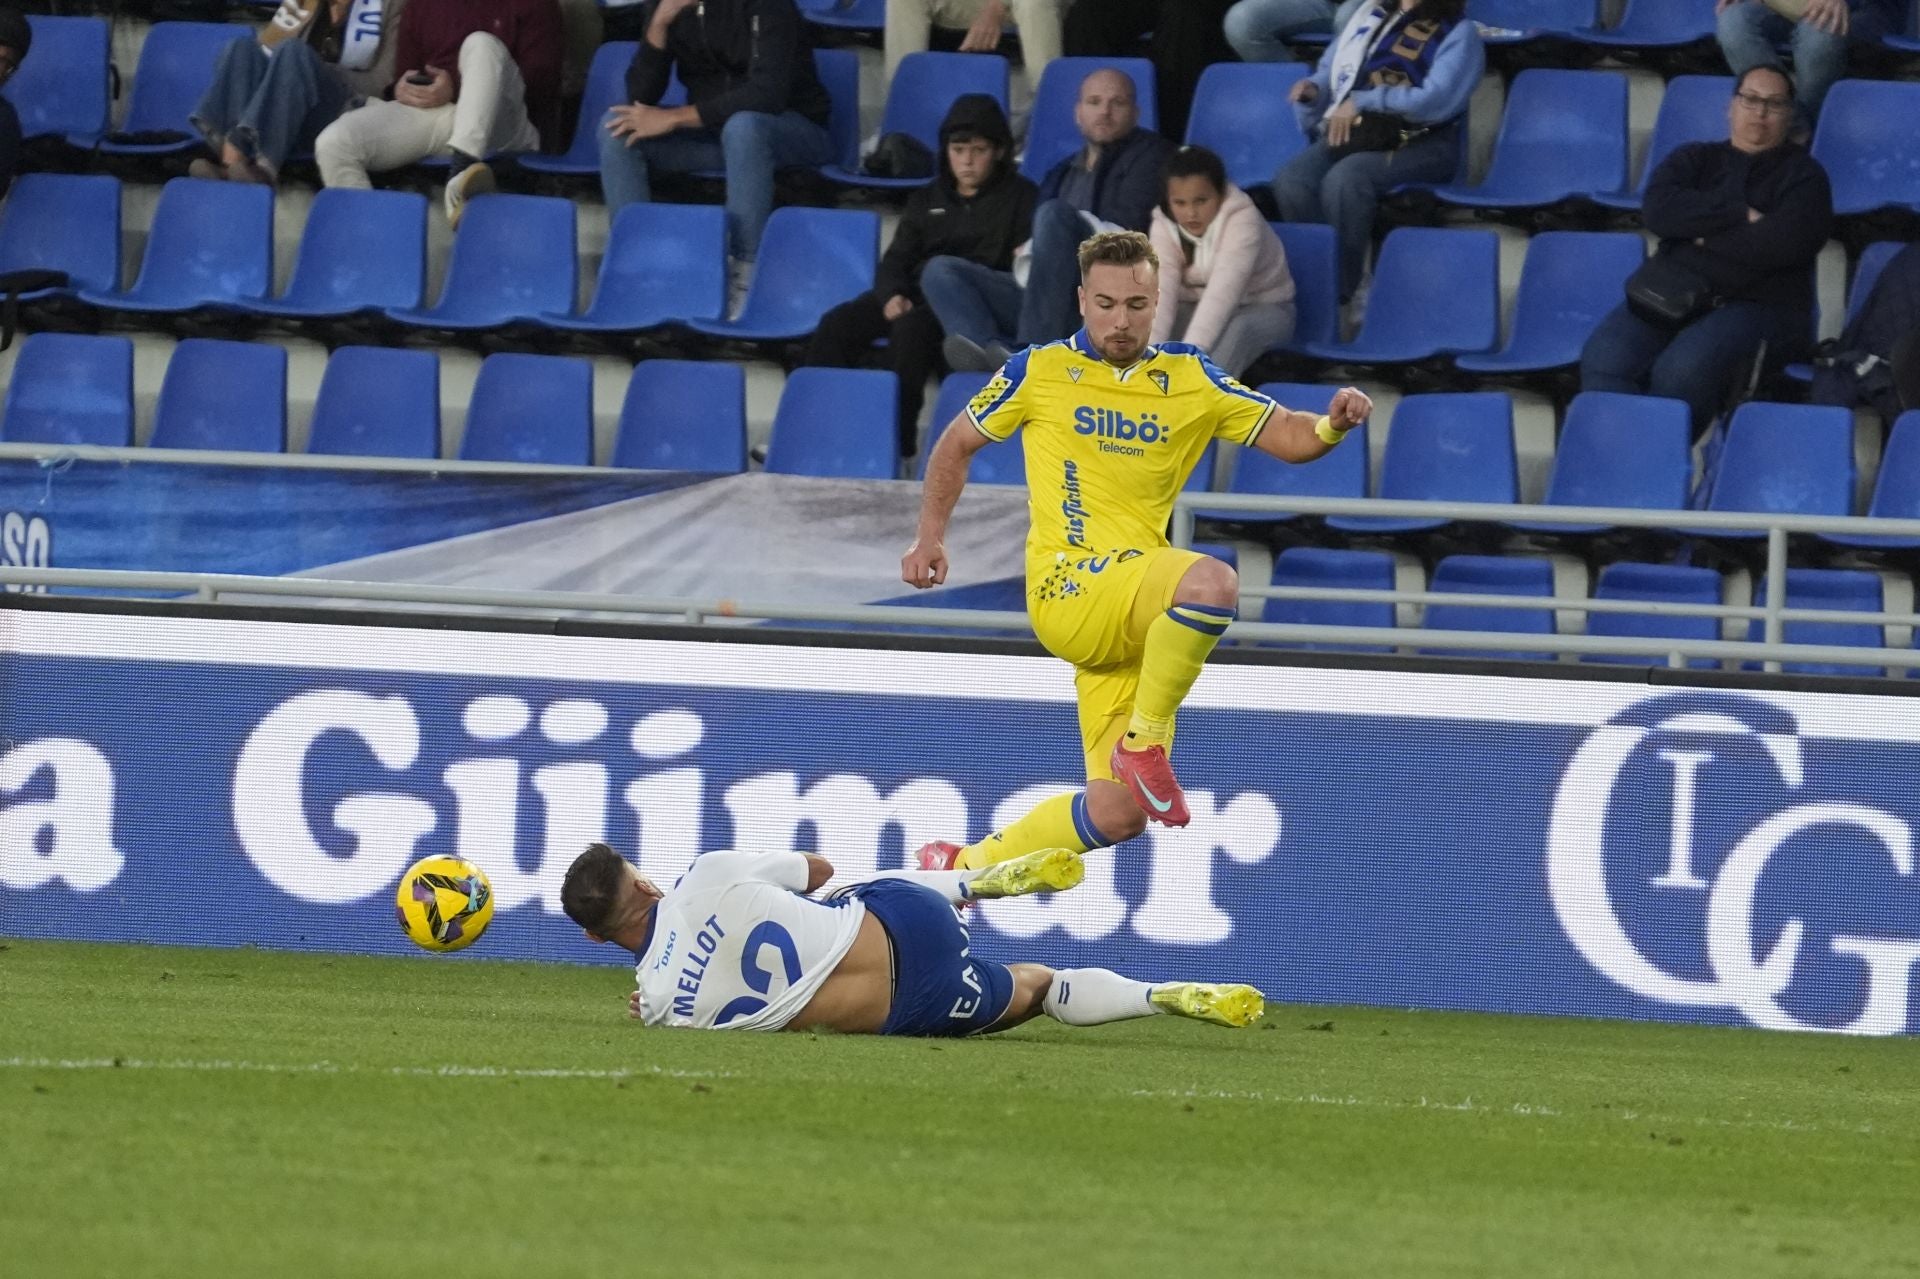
x=1415, y=840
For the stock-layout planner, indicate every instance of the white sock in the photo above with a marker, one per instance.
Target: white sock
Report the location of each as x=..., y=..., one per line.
x=950, y=884
x=1093, y=996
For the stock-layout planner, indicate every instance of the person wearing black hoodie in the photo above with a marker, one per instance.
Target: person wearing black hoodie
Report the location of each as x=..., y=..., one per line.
x=754, y=104
x=1743, y=221
x=979, y=209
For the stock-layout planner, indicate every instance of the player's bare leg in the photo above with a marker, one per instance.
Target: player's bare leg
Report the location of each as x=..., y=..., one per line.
x=1178, y=643
x=1094, y=996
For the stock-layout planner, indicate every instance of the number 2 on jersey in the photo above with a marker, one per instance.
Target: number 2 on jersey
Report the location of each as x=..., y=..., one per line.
x=765, y=934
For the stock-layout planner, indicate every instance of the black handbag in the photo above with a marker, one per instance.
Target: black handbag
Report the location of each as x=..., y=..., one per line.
x=899, y=155
x=1380, y=131
x=1668, y=294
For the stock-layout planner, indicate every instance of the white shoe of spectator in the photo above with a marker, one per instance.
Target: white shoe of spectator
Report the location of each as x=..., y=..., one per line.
x=475, y=178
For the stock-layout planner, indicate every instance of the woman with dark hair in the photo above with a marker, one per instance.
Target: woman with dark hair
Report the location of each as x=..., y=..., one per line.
x=1384, y=107
x=1224, y=284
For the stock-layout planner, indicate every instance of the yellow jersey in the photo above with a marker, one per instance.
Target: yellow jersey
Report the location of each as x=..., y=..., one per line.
x=1107, y=449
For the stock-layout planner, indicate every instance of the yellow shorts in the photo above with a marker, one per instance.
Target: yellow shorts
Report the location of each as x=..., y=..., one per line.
x=1093, y=612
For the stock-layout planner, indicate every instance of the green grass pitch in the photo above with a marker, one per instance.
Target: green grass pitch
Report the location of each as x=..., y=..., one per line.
x=209, y=1113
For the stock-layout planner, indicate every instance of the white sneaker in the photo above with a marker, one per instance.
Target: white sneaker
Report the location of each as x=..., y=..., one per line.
x=475, y=179
x=1354, y=313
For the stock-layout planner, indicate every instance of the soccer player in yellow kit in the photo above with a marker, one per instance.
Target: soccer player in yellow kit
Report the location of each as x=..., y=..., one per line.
x=1113, y=428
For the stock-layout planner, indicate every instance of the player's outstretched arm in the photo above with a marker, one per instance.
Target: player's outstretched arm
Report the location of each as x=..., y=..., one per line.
x=925, y=563
x=819, y=871
x=1301, y=437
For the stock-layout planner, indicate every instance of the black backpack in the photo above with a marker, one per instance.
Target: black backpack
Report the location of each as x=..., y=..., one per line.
x=1856, y=367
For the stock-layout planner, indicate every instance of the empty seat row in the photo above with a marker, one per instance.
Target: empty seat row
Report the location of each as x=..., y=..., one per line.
x=1320, y=568
x=682, y=415
x=364, y=253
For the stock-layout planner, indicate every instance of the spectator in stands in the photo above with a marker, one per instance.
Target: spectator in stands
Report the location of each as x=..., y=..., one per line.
x=1183, y=37
x=978, y=209
x=1111, y=183
x=474, y=76
x=1385, y=106
x=1259, y=30
x=16, y=37
x=274, y=90
x=1224, y=284
x=754, y=104
x=910, y=25
x=1751, y=32
x=1740, y=223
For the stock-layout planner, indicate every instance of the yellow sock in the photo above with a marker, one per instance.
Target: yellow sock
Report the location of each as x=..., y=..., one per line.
x=1060, y=822
x=1177, y=645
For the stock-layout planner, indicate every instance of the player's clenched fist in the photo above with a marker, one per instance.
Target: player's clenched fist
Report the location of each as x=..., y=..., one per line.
x=1350, y=407
x=923, y=568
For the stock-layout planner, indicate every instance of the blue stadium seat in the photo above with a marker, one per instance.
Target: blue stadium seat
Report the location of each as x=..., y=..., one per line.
x=512, y=261
x=837, y=422
x=1908, y=40
x=1003, y=463
x=1654, y=584
x=1655, y=24
x=923, y=90
x=1570, y=281
x=1052, y=135
x=70, y=389
x=1312, y=566
x=1491, y=575
x=1839, y=589
x=1786, y=459
x=1313, y=259
x=811, y=260
x=211, y=244
x=531, y=408
x=378, y=401
x=61, y=89
x=1564, y=135
x=1533, y=18
x=63, y=222
x=361, y=251
x=1693, y=110
x=606, y=88
x=839, y=71
x=1443, y=448
x=1867, y=143
x=1896, y=489
x=1622, y=451
x=223, y=395
x=1241, y=112
x=846, y=15
x=176, y=65
x=1340, y=473
x=664, y=263
x=1873, y=260
x=1435, y=292
x=684, y=415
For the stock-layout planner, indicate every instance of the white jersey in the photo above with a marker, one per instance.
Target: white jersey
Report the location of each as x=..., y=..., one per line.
x=735, y=946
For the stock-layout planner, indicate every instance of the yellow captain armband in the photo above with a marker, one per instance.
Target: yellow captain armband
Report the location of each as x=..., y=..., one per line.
x=1327, y=431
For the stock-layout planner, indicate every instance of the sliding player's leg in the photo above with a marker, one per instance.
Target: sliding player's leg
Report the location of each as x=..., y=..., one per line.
x=1050, y=870
x=1183, y=607
x=1095, y=996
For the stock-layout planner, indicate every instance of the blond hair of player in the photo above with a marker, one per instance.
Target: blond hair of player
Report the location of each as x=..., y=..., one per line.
x=1112, y=426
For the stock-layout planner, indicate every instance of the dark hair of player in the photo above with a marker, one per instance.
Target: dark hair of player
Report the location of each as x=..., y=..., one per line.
x=592, y=888
x=1117, y=248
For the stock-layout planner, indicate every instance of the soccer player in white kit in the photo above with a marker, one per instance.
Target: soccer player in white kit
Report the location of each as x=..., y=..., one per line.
x=737, y=944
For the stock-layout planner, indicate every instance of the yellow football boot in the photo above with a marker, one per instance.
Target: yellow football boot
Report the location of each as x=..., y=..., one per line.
x=1048, y=871
x=1223, y=1004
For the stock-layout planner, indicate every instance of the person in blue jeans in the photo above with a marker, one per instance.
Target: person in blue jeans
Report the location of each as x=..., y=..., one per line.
x=273, y=90
x=1415, y=60
x=754, y=105
x=1748, y=217
x=1113, y=182
x=1751, y=33
x=1259, y=30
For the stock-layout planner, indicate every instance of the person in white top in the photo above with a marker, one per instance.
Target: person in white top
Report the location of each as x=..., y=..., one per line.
x=739, y=944
x=1224, y=283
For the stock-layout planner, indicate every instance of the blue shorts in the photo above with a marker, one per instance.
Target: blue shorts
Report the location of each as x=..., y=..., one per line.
x=938, y=988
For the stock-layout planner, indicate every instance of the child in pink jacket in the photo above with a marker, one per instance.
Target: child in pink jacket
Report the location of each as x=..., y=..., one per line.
x=1224, y=285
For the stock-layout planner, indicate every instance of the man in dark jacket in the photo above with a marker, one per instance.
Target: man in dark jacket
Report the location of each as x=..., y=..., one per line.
x=754, y=104
x=1111, y=183
x=1746, y=219
x=978, y=210
x=15, y=38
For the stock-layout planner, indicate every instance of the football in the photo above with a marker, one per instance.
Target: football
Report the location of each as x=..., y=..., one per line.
x=444, y=903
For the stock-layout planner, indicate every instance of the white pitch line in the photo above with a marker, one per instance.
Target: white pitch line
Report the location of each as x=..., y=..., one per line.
x=449, y=1071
